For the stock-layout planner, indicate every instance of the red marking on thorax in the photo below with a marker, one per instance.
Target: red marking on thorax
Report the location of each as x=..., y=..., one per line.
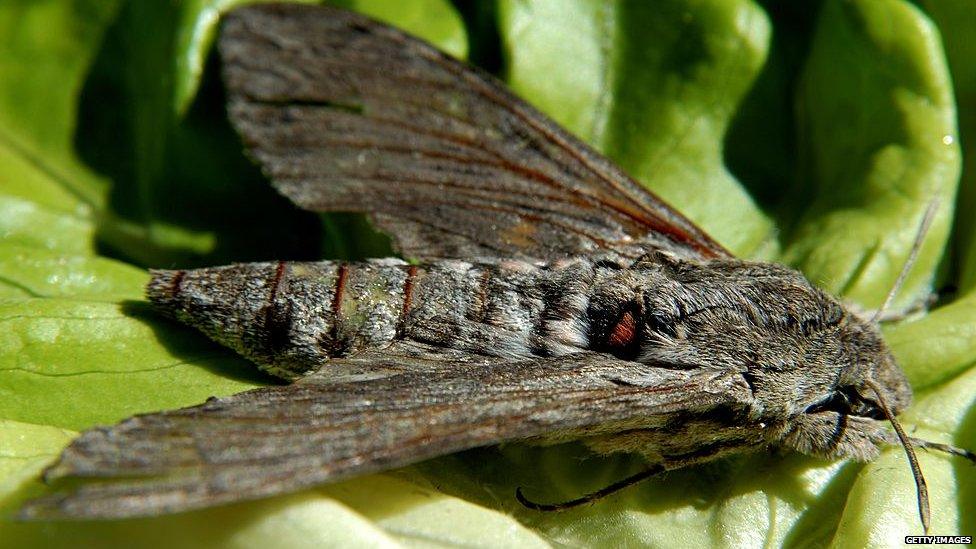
x=623, y=333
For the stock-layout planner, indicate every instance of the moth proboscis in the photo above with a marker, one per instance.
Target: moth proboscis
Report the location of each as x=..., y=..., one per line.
x=554, y=298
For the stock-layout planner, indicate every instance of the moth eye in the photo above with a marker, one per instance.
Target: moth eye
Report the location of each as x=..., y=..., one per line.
x=846, y=401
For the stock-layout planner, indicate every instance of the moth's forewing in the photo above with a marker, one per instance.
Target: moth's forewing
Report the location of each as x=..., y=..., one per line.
x=280, y=439
x=344, y=113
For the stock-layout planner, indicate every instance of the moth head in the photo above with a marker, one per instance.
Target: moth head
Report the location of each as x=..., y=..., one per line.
x=847, y=418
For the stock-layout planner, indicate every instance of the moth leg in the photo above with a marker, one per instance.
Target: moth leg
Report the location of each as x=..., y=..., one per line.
x=946, y=448
x=835, y=436
x=919, y=306
x=592, y=496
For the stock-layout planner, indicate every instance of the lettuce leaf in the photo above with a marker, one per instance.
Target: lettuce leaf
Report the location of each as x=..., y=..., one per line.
x=816, y=140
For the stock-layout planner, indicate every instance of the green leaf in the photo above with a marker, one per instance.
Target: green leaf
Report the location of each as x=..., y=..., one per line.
x=433, y=20
x=937, y=346
x=27, y=271
x=25, y=450
x=956, y=20
x=42, y=71
x=47, y=197
x=113, y=140
x=346, y=514
x=878, y=146
x=64, y=362
x=29, y=223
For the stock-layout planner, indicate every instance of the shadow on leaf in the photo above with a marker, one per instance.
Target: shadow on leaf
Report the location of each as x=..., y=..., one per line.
x=189, y=345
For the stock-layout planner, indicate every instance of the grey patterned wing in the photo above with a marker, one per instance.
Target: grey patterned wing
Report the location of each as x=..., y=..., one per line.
x=281, y=439
x=347, y=114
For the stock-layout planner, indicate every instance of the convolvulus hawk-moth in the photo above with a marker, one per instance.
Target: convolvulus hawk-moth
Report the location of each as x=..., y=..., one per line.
x=554, y=298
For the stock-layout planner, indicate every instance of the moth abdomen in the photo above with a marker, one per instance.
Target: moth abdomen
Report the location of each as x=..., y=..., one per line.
x=287, y=317
x=291, y=317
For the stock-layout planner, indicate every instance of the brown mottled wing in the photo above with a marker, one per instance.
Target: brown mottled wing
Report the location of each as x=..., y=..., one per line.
x=347, y=114
x=281, y=439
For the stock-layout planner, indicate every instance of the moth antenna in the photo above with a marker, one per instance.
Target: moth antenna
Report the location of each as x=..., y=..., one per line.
x=592, y=496
x=923, y=229
x=906, y=442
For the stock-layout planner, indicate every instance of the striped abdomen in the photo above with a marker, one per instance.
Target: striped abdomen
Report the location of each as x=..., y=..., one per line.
x=290, y=317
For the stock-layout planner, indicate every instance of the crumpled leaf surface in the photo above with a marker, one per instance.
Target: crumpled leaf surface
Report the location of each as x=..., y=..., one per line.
x=871, y=178
x=956, y=20
x=115, y=156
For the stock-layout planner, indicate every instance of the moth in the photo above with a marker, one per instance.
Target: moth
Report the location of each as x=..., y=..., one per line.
x=553, y=298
